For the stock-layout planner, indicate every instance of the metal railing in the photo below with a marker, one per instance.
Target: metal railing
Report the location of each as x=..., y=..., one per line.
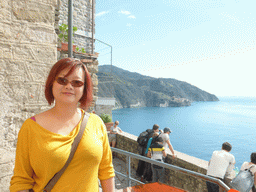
x=165, y=165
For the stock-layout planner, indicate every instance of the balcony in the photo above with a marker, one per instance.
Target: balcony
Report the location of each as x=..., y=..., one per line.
x=176, y=177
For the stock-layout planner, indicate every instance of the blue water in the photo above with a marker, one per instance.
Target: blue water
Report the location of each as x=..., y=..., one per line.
x=201, y=128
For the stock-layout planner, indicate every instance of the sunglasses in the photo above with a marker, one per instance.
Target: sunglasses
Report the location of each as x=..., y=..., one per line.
x=74, y=83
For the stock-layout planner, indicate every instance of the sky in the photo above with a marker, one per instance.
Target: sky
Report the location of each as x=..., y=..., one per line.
x=207, y=43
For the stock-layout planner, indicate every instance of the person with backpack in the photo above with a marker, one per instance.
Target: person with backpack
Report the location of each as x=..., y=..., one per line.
x=245, y=181
x=221, y=163
x=144, y=170
x=157, y=152
x=153, y=138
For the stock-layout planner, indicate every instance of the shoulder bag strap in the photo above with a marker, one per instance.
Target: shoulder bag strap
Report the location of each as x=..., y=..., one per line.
x=56, y=177
x=250, y=168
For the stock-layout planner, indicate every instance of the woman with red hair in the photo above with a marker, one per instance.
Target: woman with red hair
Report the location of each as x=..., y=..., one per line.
x=45, y=140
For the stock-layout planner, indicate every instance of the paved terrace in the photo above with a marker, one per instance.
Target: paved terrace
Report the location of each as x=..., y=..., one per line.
x=120, y=181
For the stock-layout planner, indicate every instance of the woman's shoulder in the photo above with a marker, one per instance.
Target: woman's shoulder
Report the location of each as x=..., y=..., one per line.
x=26, y=126
x=253, y=169
x=94, y=117
x=245, y=165
x=42, y=116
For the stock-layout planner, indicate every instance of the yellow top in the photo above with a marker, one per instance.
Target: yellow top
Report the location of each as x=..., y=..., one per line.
x=41, y=153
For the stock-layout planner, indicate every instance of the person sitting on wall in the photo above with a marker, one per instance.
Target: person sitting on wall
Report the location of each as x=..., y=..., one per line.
x=221, y=164
x=114, y=130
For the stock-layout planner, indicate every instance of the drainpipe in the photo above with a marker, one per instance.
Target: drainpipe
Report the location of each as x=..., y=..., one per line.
x=70, y=28
x=92, y=26
x=111, y=61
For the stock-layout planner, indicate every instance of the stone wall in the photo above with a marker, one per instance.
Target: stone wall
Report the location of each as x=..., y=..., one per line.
x=129, y=143
x=104, y=105
x=82, y=19
x=27, y=51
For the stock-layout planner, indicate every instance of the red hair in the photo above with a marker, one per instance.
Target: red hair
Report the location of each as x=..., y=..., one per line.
x=71, y=63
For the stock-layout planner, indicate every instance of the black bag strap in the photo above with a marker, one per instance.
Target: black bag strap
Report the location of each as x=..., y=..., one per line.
x=75, y=143
x=152, y=153
x=248, y=168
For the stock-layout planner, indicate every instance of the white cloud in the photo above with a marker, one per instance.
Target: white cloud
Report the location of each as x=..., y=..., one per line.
x=132, y=17
x=101, y=13
x=231, y=17
x=124, y=12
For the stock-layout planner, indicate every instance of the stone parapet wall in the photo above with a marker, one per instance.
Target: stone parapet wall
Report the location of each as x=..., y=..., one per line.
x=129, y=143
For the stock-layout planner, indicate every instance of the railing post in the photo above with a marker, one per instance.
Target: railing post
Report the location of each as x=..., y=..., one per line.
x=92, y=26
x=129, y=171
x=70, y=28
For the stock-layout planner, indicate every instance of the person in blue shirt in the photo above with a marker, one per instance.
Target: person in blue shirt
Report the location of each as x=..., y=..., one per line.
x=155, y=134
x=157, y=152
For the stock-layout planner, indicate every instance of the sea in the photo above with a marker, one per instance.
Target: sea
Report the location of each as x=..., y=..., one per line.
x=201, y=128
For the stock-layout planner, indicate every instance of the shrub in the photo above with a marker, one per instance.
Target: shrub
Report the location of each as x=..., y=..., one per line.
x=106, y=118
x=63, y=36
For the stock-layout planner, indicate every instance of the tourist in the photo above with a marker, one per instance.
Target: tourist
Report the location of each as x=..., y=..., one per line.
x=166, y=141
x=114, y=130
x=252, y=166
x=221, y=164
x=157, y=152
x=156, y=133
x=144, y=169
x=147, y=173
x=45, y=140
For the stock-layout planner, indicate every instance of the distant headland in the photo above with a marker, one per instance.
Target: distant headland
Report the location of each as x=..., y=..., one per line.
x=135, y=90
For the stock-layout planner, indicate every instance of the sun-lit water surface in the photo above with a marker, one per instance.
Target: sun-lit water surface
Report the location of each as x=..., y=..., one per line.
x=200, y=129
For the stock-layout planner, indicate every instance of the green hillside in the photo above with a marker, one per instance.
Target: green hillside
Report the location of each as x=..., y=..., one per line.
x=135, y=90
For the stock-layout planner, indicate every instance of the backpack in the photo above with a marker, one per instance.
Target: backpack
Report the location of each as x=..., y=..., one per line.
x=144, y=137
x=154, y=165
x=154, y=139
x=244, y=181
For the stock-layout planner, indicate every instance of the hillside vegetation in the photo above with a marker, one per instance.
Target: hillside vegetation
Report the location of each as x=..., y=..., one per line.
x=136, y=90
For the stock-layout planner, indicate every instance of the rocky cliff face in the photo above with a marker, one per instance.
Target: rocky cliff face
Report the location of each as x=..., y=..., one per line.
x=135, y=90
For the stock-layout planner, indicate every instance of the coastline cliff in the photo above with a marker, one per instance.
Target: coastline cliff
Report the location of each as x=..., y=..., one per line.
x=135, y=90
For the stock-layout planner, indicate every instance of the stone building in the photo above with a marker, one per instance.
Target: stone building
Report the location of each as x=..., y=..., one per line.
x=28, y=49
x=104, y=105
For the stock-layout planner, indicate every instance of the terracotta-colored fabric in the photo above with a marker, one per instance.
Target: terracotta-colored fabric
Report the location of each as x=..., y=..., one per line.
x=233, y=190
x=153, y=187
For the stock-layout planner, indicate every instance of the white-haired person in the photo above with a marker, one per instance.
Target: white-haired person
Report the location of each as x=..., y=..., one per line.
x=114, y=130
